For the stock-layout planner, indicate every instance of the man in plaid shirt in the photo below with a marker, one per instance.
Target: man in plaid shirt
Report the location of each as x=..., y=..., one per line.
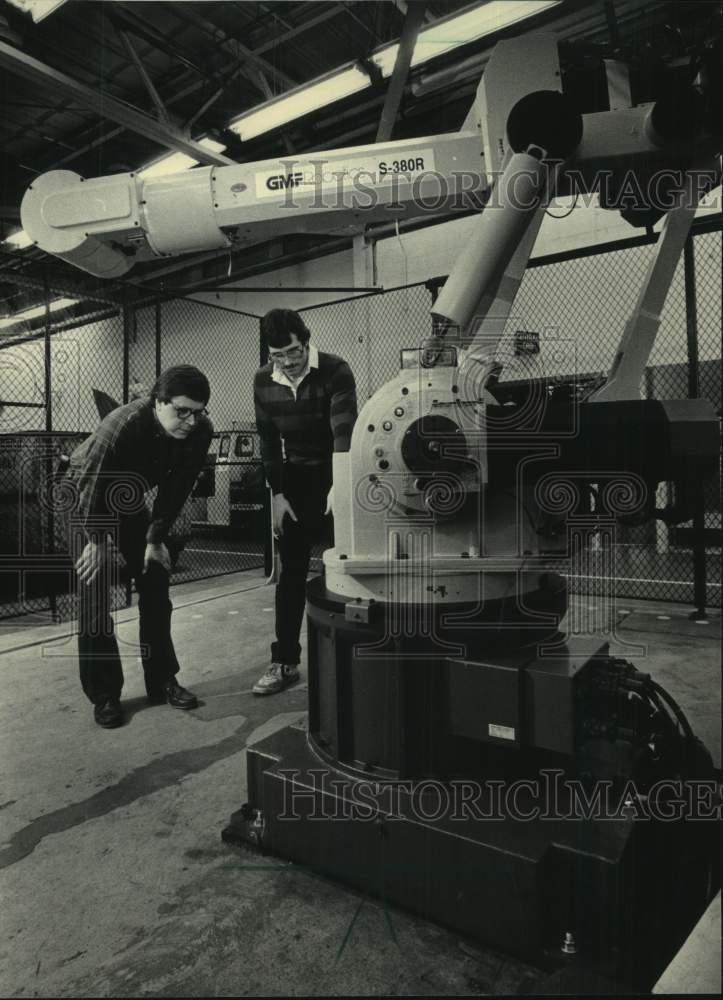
x=305, y=403
x=161, y=441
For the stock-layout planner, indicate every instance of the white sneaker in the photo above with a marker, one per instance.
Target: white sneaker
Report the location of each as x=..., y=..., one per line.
x=276, y=678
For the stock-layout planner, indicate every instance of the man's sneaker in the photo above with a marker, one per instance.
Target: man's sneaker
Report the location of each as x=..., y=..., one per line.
x=108, y=713
x=276, y=678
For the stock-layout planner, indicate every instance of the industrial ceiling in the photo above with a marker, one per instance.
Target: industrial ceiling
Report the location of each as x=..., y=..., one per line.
x=101, y=87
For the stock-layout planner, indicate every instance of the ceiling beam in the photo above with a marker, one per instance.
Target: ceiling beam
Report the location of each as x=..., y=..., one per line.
x=157, y=40
x=231, y=45
x=39, y=276
x=147, y=82
x=368, y=28
x=144, y=31
x=402, y=7
x=24, y=65
x=277, y=17
x=285, y=36
x=83, y=143
x=208, y=102
x=412, y=23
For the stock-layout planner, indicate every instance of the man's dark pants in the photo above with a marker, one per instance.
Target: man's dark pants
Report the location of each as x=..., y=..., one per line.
x=101, y=674
x=306, y=489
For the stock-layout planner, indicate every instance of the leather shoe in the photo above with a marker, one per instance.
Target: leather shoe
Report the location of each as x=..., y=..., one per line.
x=173, y=694
x=108, y=713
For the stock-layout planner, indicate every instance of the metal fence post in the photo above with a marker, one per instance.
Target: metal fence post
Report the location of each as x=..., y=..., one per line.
x=691, y=325
x=52, y=596
x=157, y=334
x=268, y=539
x=48, y=392
x=126, y=392
x=126, y=350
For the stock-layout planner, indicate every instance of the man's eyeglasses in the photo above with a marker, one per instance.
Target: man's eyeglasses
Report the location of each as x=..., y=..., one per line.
x=291, y=353
x=186, y=412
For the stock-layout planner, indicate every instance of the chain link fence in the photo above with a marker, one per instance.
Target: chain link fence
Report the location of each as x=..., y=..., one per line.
x=708, y=269
x=48, y=380
x=651, y=561
x=370, y=331
x=58, y=381
x=646, y=562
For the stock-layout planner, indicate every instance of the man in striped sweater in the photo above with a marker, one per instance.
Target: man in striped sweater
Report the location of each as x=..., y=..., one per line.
x=305, y=404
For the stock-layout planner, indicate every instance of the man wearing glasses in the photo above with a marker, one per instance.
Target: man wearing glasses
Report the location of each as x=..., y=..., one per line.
x=305, y=404
x=158, y=441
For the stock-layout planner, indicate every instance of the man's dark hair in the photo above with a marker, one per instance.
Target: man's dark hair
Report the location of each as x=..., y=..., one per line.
x=279, y=325
x=181, y=380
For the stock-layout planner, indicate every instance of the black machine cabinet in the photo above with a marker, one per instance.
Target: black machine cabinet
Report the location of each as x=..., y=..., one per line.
x=659, y=440
x=395, y=706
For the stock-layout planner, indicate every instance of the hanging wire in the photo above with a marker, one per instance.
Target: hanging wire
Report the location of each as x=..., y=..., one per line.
x=406, y=267
x=570, y=210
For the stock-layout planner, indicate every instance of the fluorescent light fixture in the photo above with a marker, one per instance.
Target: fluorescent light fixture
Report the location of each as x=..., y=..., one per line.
x=36, y=311
x=463, y=28
x=432, y=41
x=208, y=143
x=299, y=102
x=20, y=240
x=38, y=9
x=174, y=163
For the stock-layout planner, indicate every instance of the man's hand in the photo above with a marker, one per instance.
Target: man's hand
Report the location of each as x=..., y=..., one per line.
x=280, y=507
x=329, y=502
x=93, y=559
x=158, y=554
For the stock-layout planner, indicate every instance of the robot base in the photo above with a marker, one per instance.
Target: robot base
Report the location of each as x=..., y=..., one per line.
x=392, y=792
x=618, y=886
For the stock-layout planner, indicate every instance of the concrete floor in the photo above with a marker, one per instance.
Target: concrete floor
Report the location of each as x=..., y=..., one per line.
x=113, y=877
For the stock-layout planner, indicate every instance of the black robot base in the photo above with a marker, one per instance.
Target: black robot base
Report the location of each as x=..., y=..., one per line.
x=513, y=797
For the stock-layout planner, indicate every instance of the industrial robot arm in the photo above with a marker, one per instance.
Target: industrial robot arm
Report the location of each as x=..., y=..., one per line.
x=105, y=225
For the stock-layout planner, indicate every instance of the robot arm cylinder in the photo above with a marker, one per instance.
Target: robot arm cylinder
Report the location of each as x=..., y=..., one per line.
x=99, y=224
x=543, y=130
x=497, y=232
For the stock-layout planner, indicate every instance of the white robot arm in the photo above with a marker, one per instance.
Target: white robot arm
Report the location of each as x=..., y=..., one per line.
x=107, y=224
